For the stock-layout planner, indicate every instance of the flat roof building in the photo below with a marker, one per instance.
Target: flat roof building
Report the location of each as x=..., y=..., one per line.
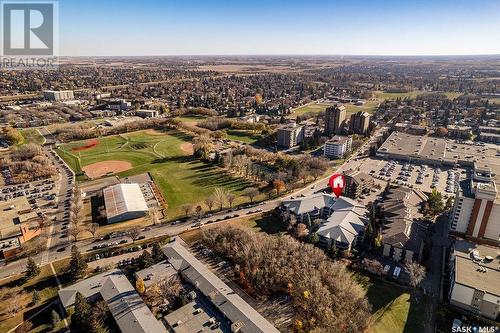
x=124, y=202
x=290, y=135
x=474, y=279
x=61, y=95
x=338, y=146
x=334, y=119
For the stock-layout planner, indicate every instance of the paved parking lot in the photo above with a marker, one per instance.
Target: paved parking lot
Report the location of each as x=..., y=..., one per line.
x=420, y=176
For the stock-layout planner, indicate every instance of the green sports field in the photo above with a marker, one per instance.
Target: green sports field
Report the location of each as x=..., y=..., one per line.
x=181, y=177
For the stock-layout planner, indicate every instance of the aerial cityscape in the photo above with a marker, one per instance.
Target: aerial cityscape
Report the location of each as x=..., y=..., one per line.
x=300, y=166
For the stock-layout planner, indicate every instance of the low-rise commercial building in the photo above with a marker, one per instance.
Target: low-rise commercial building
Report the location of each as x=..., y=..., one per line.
x=147, y=113
x=459, y=132
x=338, y=147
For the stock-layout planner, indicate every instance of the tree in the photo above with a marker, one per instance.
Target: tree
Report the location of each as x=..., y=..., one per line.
x=187, y=208
x=313, y=238
x=55, y=319
x=157, y=253
x=15, y=303
x=77, y=265
x=251, y=193
x=435, y=202
x=139, y=285
x=230, y=199
x=82, y=315
x=210, y=201
x=416, y=273
x=35, y=297
x=74, y=231
x=92, y=228
x=278, y=185
x=300, y=230
x=199, y=211
x=25, y=327
x=146, y=259
x=134, y=233
x=32, y=269
x=220, y=196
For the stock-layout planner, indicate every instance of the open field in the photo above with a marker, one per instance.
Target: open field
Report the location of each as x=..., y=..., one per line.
x=369, y=106
x=411, y=94
x=310, y=108
x=243, y=136
x=32, y=135
x=181, y=177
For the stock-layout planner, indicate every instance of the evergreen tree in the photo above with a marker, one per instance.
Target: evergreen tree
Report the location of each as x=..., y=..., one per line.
x=157, y=253
x=82, y=315
x=77, y=265
x=32, y=269
x=146, y=260
x=36, y=297
x=55, y=319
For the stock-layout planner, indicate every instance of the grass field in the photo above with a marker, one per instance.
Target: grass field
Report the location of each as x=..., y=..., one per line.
x=181, y=178
x=31, y=135
x=411, y=94
x=243, y=136
x=392, y=309
x=310, y=108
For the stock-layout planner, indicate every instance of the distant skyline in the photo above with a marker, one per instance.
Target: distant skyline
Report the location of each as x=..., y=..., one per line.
x=315, y=27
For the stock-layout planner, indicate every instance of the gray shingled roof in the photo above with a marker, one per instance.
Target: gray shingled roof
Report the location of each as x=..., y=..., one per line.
x=221, y=296
x=125, y=304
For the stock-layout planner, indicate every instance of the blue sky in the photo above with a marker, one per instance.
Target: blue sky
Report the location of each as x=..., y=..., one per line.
x=214, y=27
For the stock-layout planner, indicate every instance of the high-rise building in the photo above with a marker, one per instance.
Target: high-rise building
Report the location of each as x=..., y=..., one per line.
x=290, y=135
x=476, y=212
x=334, y=119
x=360, y=122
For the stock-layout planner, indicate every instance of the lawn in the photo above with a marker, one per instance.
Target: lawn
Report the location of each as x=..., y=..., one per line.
x=258, y=223
x=369, y=106
x=243, y=136
x=45, y=283
x=31, y=135
x=181, y=178
x=411, y=94
x=392, y=309
x=310, y=108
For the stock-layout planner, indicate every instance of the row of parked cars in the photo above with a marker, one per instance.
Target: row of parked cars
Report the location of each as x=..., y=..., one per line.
x=117, y=252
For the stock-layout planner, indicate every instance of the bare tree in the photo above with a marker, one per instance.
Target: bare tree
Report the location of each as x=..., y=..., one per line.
x=230, y=199
x=92, y=228
x=187, y=208
x=15, y=303
x=134, y=233
x=220, y=196
x=154, y=215
x=74, y=231
x=210, y=201
x=251, y=193
x=199, y=211
x=416, y=273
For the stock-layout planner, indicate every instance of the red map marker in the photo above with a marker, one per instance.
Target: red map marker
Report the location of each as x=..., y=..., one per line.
x=336, y=183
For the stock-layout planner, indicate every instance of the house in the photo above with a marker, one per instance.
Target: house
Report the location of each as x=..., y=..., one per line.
x=474, y=279
x=126, y=306
x=343, y=220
